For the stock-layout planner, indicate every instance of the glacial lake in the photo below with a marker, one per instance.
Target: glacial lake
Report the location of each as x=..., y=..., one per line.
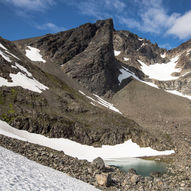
x=142, y=167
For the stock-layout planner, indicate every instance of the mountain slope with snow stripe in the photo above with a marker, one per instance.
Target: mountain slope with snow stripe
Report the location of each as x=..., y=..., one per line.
x=74, y=149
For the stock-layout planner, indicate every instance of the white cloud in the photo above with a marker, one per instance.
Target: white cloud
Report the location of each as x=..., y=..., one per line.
x=114, y=4
x=151, y=17
x=181, y=26
x=35, y=5
x=50, y=27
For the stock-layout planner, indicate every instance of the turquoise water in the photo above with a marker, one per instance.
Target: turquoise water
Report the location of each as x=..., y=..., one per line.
x=142, y=167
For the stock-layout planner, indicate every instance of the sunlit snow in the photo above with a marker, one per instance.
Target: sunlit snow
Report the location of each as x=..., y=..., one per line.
x=125, y=59
x=178, y=93
x=161, y=72
x=23, y=69
x=12, y=55
x=34, y=54
x=25, y=82
x=163, y=55
x=3, y=47
x=74, y=149
x=150, y=84
x=117, y=53
x=101, y=101
x=144, y=44
x=106, y=104
x=140, y=39
x=5, y=56
x=20, y=174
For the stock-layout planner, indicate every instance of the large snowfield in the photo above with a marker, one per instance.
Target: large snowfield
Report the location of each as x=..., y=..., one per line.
x=17, y=173
x=162, y=72
x=74, y=149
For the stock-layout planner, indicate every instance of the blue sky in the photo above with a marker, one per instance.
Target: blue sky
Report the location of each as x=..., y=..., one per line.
x=167, y=22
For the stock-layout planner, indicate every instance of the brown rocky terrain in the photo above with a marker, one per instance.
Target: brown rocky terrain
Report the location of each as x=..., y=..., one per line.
x=174, y=179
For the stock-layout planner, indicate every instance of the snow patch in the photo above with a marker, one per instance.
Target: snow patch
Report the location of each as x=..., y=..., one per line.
x=161, y=72
x=106, y=104
x=22, y=80
x=12, y=66
x=144, y=44
x=34, y=54
x=23, y=69
x=21, y=174
x=12, y=55
x=93, y=103
x=188, y=52
x=126, y=73
x=101, y=101
x=117, y=53
x=163, y=55
x=82, y=92
x=140, y=39
x=5, y=56
x=178, y=93
x=125, y=59
x=150, y=84
x=3, y=47
x=74, y=149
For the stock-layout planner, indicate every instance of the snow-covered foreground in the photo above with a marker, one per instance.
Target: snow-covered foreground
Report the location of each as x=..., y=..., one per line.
x=20, y=174
x=34, y=54
x=74, y=149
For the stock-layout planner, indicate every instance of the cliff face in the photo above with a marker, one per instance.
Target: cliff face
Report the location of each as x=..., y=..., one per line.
x=85, y=54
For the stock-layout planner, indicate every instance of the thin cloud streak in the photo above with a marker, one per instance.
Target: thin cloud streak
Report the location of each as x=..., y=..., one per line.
x=32, y=5
x=50, y=27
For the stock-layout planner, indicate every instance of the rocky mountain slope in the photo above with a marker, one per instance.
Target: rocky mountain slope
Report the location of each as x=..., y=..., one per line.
x=122, y=67
x=148, y=61
x=43, y=103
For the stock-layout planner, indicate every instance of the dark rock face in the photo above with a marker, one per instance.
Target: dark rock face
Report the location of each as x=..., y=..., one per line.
x=134, y=47
x=96, y=67
x=84, y=54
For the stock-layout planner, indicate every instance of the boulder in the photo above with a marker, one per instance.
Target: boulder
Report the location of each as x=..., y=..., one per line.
x=132, y=171
x=135, y=179
x=99, y=163
x=103, y=179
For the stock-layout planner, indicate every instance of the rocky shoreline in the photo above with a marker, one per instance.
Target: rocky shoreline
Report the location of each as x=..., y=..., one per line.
x=113, y=178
